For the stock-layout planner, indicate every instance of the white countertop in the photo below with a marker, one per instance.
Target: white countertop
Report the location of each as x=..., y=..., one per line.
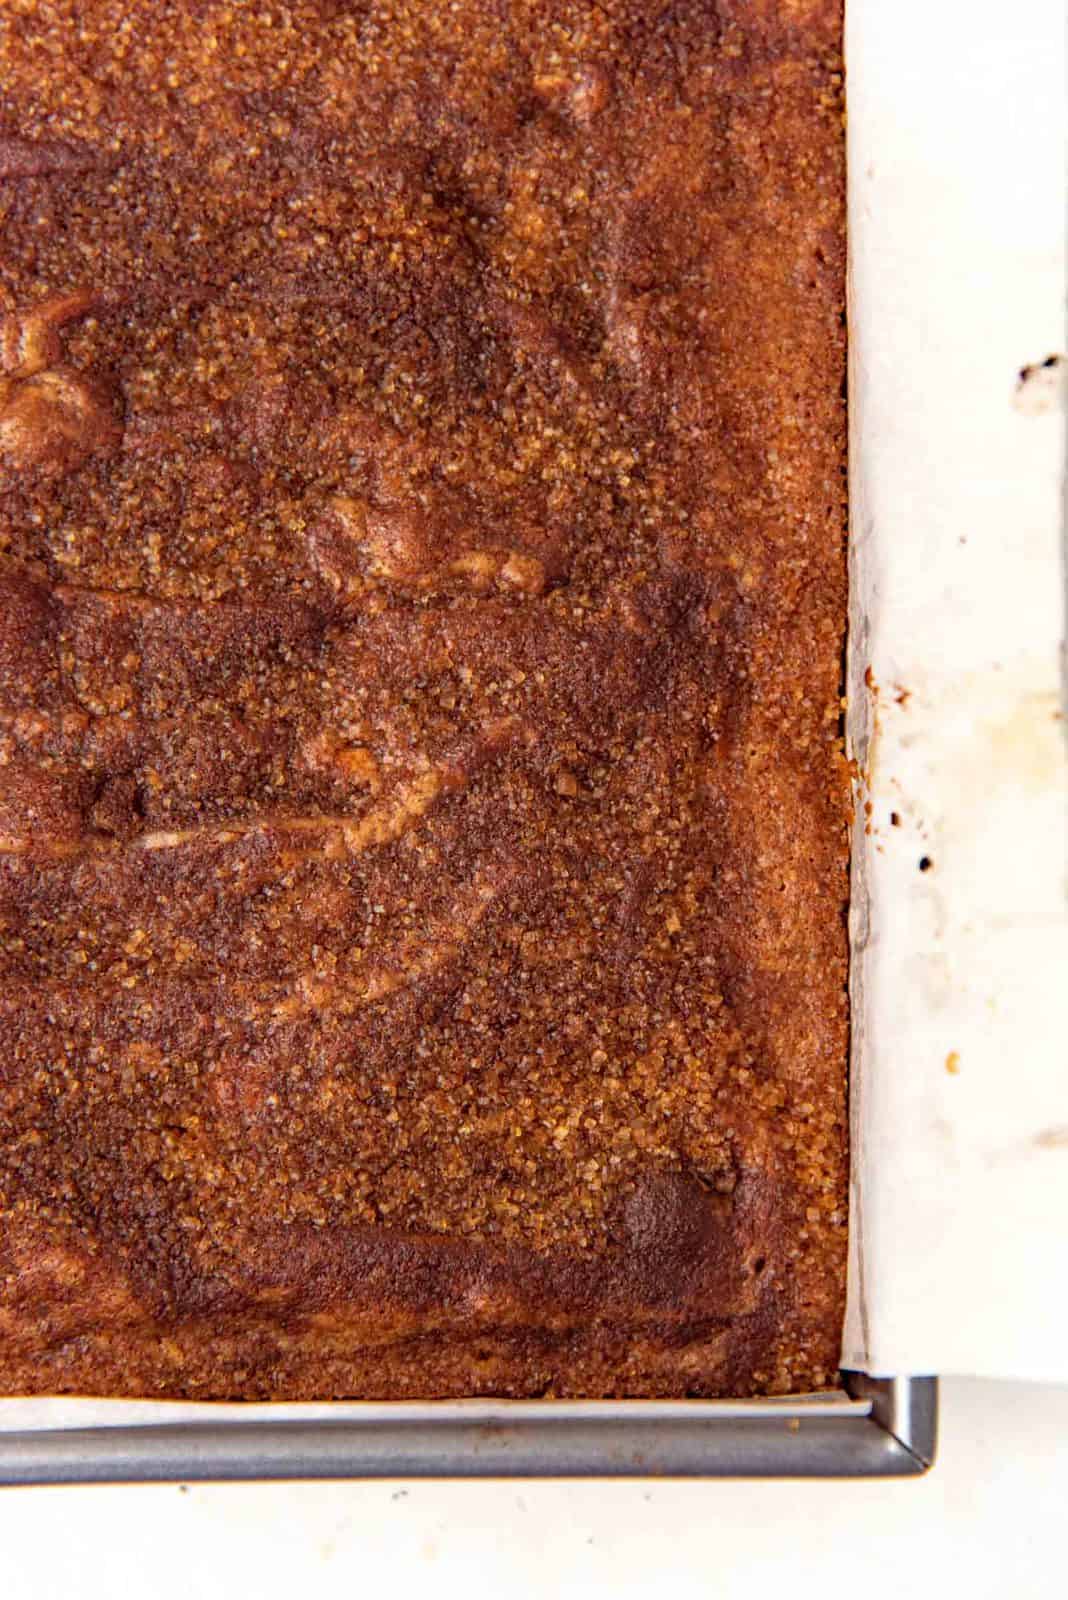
x=987, y=1521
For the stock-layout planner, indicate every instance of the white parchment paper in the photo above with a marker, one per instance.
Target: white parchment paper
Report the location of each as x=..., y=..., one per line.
x=960, y=972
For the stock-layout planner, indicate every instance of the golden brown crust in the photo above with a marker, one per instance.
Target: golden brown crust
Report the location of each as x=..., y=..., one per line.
x=422, y=832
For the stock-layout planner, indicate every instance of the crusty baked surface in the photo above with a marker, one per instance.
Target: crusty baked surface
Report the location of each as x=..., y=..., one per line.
x=421, y=604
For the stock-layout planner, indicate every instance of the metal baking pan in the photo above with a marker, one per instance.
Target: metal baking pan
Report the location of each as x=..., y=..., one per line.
x=883, y=1427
